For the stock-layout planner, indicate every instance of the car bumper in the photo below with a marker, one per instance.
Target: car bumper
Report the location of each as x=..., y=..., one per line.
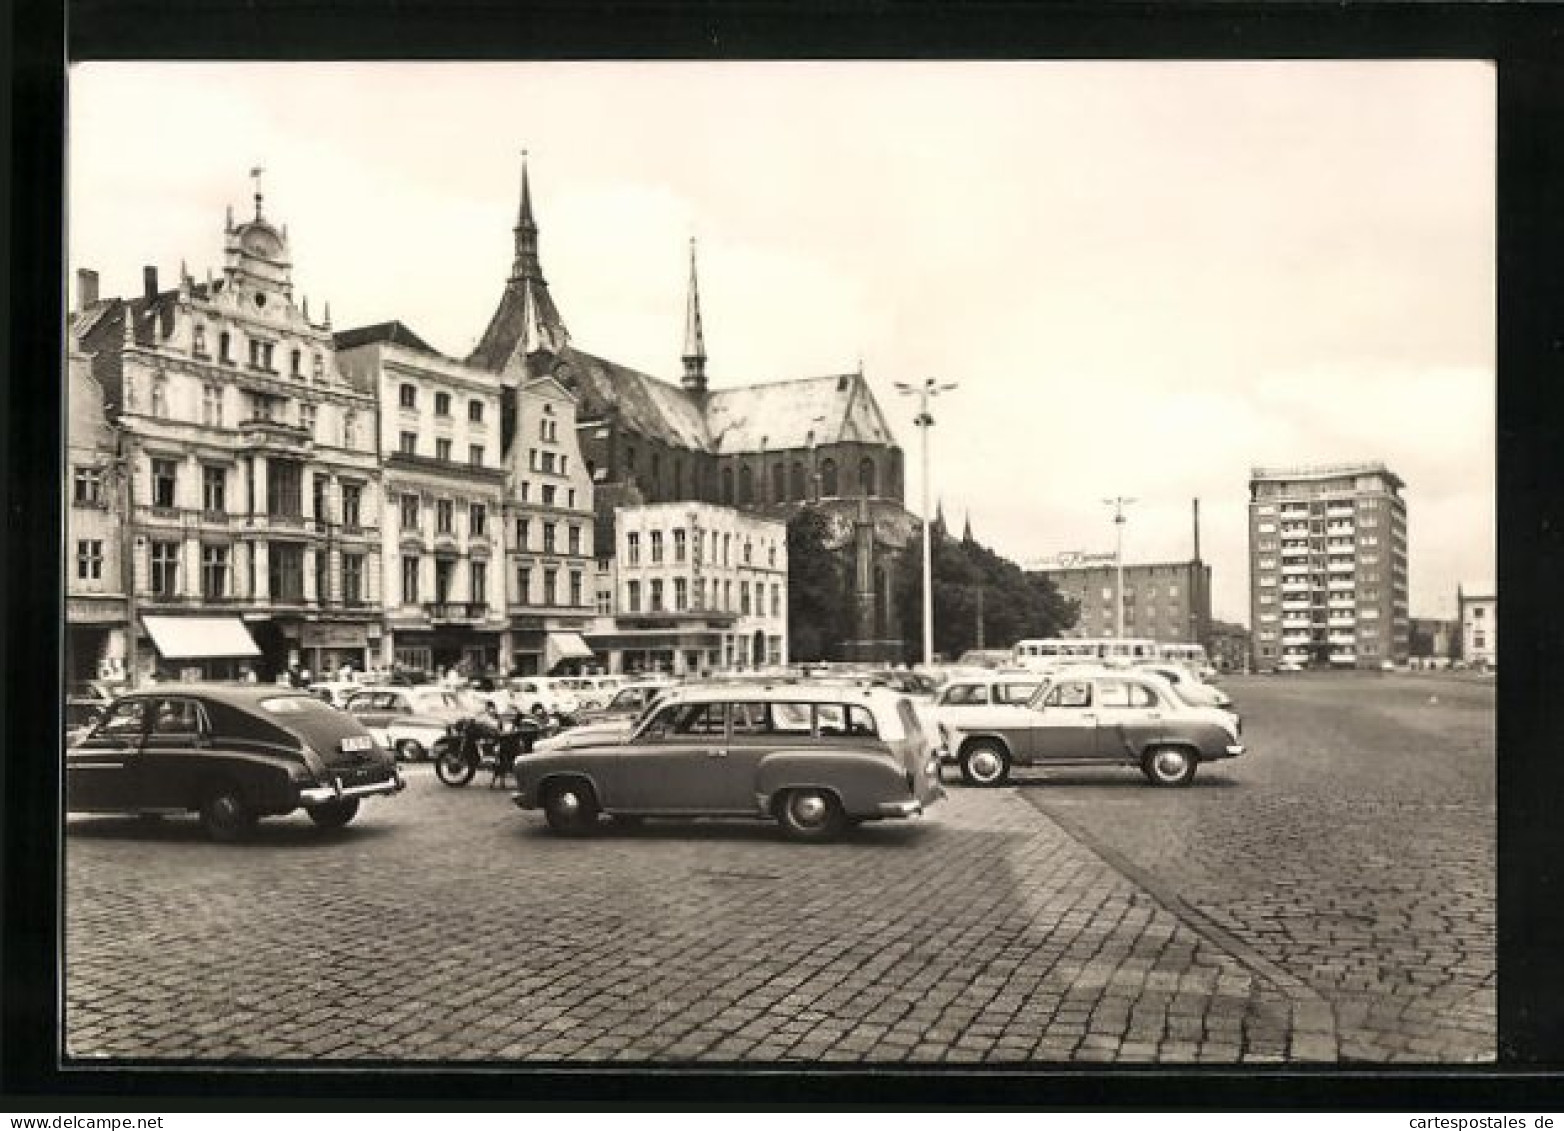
x=336, y=791
x=909, y=808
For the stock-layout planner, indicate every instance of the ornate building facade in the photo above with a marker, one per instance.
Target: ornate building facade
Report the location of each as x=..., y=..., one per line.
x=252, y=478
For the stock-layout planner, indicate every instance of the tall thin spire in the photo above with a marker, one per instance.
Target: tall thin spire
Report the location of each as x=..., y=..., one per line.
x=694, y=336
x=966, y=531
x=526, y=263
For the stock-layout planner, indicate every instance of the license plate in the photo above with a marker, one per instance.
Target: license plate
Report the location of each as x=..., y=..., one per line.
x=357, y=742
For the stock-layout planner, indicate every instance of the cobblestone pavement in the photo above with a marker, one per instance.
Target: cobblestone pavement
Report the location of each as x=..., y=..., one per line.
x=447, y=925
x=1354, y=848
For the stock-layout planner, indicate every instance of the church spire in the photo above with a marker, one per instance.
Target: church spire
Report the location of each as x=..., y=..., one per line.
x=526, y=263
x=966, y=530
x=939, y=521
x=694, y=337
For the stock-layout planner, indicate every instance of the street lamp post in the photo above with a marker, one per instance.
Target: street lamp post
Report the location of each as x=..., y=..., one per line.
x=925, y=421
x=1118, y=503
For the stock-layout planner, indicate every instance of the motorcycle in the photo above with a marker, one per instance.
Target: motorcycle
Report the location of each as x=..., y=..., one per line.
x=471, y=745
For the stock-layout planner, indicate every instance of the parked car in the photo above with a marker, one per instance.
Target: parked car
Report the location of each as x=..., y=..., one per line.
x=337, y=692
x=1102, y=718
x=80, y=715
x=811, y=758
x=232, y=754
x=536, y=694
x=408, y=720
x=589, y=691
x=626, y=704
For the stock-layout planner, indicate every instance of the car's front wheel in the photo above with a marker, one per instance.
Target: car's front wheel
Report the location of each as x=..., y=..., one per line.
x=225, y=816
x=811, y=814
x=1169, y=765
x=984, y=763
x=570, y=807
x=334, y=814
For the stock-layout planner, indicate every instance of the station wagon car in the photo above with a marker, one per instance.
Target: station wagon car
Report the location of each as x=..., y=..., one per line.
x=230, y=754
x=408, y=720
x=1102, y=718
x=812, y=759
x=969, y=696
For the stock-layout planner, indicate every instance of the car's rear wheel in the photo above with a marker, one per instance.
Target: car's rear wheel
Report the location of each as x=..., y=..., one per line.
x=570, y=807
x=984, y=763
x=1169, y=765
x=811, y=814
x=225, y=816
x=334, y=814
x=410, y=750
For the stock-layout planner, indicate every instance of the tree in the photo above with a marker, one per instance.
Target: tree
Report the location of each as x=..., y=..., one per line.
x=818, y=609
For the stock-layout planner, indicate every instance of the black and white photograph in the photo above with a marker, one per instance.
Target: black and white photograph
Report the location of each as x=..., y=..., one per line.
x=767, y=565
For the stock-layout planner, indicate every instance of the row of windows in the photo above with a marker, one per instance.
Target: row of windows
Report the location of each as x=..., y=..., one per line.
x=550, y=594
x=549, y=496
x=283, y=495
x=262, y=406
x=688, y=597
x=524, y=536
x=407, y=397
x=1149, y=592
x=703, y=551
x=407, y=445
x=261, y=354
x=284, y=568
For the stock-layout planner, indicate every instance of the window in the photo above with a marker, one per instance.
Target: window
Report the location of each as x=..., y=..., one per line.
x=407, y=396
x=1118, y=693
x=776, y=600
x=778, y=482
x=1107, y=592
x=548, y=462
x=89, y=560
x=478, y=520
x=746, y=486
x=1070, y=693
x=214, y=483
x=548, y=537
x=293, y=363
x=575, y=539
x=771, y=556
x=475, y=455
x=1478, y=612
x=410, y=570
x=317, y=368
x=727, y=595
x=523, y=533
x=570, y=497
x=548, y=494
x=285, y=571
x=442, y=404
x=352, y=505
x=681, y=594
x=479, y=591
x=442, y=450
x=727, y=549
x=352, y=578
x=475, y=411
x=444, y=516
x=525, y=490
x=198, y=340
x=633, y=596
x=159, y=397
x=866, y=476
x=349, y=429
x=165, y=568
x=575, y=587
x=224, y=348
x=523, y=586
x=633, y=548
x=212, y=406
x=551, y=587
x=410, y=512
x=744, y=597
x=284, y=484
x=678, y=545
x=407, y=443
x=727, y=485
x=89, y=487
x=308, y=414
x=828, y=485
x=657, y=547
x=214, y=571
x=165, y=473
x=261, y=355
x=656, y=605
x=605, y=602
x=796, y=480
x=749, y=551
x=967, y=694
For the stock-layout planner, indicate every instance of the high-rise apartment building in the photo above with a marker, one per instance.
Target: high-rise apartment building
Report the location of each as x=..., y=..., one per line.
x=1328, y=566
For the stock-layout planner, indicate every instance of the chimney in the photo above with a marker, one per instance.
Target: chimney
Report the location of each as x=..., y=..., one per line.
x=1197, y=530
x=149, y=282
x=86, y=288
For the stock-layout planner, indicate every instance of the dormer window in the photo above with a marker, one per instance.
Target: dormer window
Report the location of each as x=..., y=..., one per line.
x=294, y=360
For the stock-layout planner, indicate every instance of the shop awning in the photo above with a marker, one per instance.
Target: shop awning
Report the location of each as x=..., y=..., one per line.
x=200, y=638
x=559, y=646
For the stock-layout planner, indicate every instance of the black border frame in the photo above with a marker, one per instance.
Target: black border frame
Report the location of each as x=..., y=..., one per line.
x=1527, y=43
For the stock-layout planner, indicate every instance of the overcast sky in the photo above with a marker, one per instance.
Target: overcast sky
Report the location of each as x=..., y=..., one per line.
x=1146, y=278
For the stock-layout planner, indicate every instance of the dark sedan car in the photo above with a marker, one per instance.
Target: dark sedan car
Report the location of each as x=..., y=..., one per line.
x=230, y=754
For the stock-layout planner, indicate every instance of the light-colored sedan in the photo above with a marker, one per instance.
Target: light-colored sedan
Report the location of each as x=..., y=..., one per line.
x=1191, y=690
x=812, y=758
x=408, y=720
x=536, y=694
x=1124, y=718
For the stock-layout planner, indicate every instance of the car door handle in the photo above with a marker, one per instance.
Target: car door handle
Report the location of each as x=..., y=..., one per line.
x=716, y=753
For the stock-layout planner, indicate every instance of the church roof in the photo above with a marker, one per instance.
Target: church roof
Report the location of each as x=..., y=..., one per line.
x=526, y=314
x=836, y=409
x=643, y=403
x=389, y=333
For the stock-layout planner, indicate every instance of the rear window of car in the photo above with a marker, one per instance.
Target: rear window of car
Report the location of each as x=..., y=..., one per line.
x=296, y=705
x=1015, y=692
x=965, y=694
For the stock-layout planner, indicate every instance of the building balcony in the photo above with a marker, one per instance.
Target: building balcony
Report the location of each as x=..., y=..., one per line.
x=273, y=436
x=448, y=612
x=409, y=461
